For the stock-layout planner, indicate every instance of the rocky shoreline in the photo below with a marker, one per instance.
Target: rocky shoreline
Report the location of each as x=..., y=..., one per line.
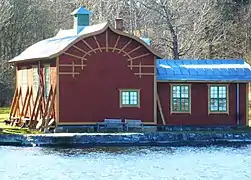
x=125, y=139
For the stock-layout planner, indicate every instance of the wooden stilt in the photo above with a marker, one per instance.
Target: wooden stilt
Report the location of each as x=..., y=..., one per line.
x=49, y=112
x=160, y=110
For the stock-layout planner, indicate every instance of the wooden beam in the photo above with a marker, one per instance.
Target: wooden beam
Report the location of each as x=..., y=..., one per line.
x=140, y=73
x=25, y=101
x=13, y=104
x=97, y=43
x=137, y=57
x=160, y=110
x=89, y=46
x=83, y=51
x=46, y=107
x=145, y=74
x=34, y=107
x=125, y=46
x=115, y=46
x=143, y=66
x=68, y=73
x=28, y=103
x=72, y=55
x=47, y=118
x=135, y=49
x=106, y=40
x=70, y=65
x=57, y=96
x=73, y=69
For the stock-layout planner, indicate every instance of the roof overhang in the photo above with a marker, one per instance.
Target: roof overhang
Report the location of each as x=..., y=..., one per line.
x=103, y=29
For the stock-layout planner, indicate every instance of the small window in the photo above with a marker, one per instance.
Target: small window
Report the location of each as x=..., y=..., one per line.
x=47, y=80
x=218, y=101
x=129, y=98
x=180, y=98
x=35, y=79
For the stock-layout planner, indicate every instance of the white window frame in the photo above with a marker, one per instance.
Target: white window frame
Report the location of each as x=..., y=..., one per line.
x=129, y=102
x=218, y=98
x=180, y=98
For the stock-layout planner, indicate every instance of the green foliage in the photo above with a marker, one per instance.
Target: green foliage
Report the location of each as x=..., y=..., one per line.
x=7, y=129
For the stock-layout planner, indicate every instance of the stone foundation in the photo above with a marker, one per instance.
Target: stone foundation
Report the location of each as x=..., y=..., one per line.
x=128, y=139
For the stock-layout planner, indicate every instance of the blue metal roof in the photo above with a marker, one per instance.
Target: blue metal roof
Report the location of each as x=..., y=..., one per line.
x=147, y=40
x=203, y=70
x=81, y=10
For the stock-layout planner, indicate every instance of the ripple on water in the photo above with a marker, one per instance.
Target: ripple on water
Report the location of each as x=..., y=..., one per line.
x=123, y=163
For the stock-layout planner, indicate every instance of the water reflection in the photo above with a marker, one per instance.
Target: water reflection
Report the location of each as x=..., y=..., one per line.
x=123, y=163
x=141, y=150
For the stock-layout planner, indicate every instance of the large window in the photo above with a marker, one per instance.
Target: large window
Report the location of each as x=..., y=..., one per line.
x=218, y=98
x=129, y=98
x=47, y=80
x=180, y=98
x=35, y=79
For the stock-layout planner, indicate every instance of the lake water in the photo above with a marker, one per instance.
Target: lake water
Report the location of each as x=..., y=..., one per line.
x=125, y=163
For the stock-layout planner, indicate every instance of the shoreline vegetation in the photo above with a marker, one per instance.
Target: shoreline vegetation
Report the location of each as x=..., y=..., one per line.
x=7, y=129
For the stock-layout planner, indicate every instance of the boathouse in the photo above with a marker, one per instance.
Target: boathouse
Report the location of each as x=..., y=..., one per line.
x=92, y=72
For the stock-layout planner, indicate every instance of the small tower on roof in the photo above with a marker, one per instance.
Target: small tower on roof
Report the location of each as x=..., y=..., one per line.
x=81, y=18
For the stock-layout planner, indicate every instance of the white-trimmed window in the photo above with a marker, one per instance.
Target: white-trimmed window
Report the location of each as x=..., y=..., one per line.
x=218, y=98
x=24, y=81
x=35, y=79
x=47, y=75
x=180, y=98
x=129, y=98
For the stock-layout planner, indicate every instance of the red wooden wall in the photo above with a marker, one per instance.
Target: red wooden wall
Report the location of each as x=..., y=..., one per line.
x=89, y=88
x=199, y=106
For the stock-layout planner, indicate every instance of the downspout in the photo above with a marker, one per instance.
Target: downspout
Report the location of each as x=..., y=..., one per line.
x=238, y=104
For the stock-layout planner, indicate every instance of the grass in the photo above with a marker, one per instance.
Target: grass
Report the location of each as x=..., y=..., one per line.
x=7, y=129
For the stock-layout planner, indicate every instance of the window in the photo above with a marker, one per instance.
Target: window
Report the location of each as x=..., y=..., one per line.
x=24, y=81
x=218, y=98
x=47, y=80
x=129, y=98
x=35, y=79
x=180, y=98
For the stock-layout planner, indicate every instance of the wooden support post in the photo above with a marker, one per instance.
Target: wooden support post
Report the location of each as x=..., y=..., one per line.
x=34, y=108
x=46, y=107
x=25, y=102
x=13, y=104
x=160, y=110
x=28, y=104
x=51, y=106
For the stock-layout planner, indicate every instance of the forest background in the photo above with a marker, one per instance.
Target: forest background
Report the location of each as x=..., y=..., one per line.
x=179, y=29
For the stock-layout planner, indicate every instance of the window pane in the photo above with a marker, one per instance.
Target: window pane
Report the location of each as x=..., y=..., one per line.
x=125, y=98
x=222, y=105
x=218, y=98
x=222, y=92
x=176, y=104
x=130, y=97
x=184, y=104
x=134, y=98
x=184, y=91
x=176, y=91
x=214, y=92
x=214, y=104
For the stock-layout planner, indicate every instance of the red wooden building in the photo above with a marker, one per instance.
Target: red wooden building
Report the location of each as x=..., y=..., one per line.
x=92, y=72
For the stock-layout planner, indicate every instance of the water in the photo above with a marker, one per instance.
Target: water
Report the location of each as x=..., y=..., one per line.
x=126, y=163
